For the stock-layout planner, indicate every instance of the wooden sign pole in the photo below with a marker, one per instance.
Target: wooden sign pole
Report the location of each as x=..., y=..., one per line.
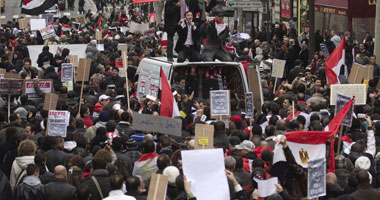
x=293, y=109
x=81, y=89
x=340, y=139
x=125, y=63
x=274, y=87
x=9, y=105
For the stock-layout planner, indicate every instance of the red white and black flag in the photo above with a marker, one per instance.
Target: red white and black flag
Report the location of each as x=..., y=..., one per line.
x=36, y=7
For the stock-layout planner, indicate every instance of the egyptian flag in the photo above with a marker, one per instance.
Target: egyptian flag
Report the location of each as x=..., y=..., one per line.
x=169, y=107
x=164, y=40
x=36, y=7
x=311, y=145
x=290, y=117
x=146, y=165
x=334, y=63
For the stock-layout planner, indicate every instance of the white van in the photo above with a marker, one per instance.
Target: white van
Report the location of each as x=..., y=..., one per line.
x=208, y=76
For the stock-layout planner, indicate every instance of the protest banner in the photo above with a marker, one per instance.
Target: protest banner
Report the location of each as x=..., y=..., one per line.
x=50, y=101
x=357, y=73
x=149, y=32
x=78, y=50
x=278, y=67
x=157, y=187
x=220, y=103
x=67, y=72
x=341, y=100
x=98, y=35
x=326, y=52
x=202, y=163
x=266, y=187
x=254, y=82
x=46, y=86
x=204, y=136
x=48, y=32
x=316, y=178
x=350, y=90
x=249, y=109
x=21, y=23
x=152, y=17
x=158, y=124
x=37, y=24
x=12, y=75
x=10, y=86
x=138, y=28
x=58, y=122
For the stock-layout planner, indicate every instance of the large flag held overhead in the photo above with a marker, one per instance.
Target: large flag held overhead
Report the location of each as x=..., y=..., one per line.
x=146, y=165
x=311, y=145
x=169, y=107
x=36, y=7
x=334, y=63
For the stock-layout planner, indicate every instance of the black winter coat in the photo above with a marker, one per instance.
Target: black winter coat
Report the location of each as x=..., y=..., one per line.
x=59, y=190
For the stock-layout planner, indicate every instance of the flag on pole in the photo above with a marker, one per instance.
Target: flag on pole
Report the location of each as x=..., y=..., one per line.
x=334, y=63
x=169, y=107
x=36, y=7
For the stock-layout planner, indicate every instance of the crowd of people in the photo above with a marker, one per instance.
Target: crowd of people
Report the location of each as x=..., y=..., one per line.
x=101, y=155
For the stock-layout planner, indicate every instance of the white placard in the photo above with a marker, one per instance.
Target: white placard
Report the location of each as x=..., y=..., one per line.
x=67, y=71
x=316, y=178
x=266, y=187
x=100, y=47
x=205, y=170
x=37, y=24
x=44, y=85
x=141, y=28
x=58, y=122
x=350, y=90
x=48, y=32
x=220, y=103
x=278, y=67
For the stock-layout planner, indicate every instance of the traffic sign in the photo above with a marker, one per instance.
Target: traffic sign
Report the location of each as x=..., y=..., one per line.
x=244, y=4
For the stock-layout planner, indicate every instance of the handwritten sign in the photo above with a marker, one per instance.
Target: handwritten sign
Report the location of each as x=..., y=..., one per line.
x=10, y=86
x=48, y=32
x=341, y=100
x=278, y=67
x=368, y=75
x=141, y=28
x=204, y=136
x=249, y=110
x=98, y=35
x=316, y=178
x=21, y=23
x=58, y=122
x=50, y=101
x=83, y=69
x=46, y=86
x=220, y=103
x=150, y=123
x=350, y=90
x=357, y=73
x=67, y=72
x=157, y=187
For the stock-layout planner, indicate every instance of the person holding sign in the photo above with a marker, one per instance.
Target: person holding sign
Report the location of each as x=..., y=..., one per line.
x=26, y=67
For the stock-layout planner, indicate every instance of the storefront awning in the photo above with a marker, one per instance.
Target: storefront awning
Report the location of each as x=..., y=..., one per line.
x=144, y=1
x=362, y=8
x=338, y=7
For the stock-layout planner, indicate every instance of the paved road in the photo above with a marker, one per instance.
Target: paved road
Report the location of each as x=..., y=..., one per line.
x=13, y=10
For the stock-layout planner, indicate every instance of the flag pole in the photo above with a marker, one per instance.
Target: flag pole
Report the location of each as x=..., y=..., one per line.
x=125, y=63
x=340, y=139
x=274, y=87
x=293, y=109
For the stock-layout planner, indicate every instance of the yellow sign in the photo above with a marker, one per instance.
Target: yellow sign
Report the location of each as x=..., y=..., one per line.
x=203, y=141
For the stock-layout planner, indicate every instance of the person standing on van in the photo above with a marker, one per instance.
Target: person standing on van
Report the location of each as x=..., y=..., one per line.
x=188, y=35
x=217, y=33
x=172, y=16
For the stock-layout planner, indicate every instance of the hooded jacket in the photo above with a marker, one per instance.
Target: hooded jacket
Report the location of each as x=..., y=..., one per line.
x=19, y=169
x=30, y=188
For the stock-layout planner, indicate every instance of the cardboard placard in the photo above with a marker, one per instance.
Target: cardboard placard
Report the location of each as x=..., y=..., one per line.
x=204, y=136
x=249, y=109
x=10, y=86
x=368, y=75
x=67, y=72
x=220, y=103
x=74, y=60
x=316, y=178
x=122, y=47
x=50, y=101
x=11, y=75
x=46, y=86
x=83, y=69
x=58, y=122
x=157, y=187
x=341, y=100
x=37, y=24
x=2, y=73
x=350, y=90
x=22, y=23
x=254, y=81
x=357, y=73
x=98, y=35
x=81, y=20
x=151, y=123
x=278, y=67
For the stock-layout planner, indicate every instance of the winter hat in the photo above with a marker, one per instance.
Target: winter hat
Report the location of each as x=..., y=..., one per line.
x=235, y=140
x=22, y=112
x=104, y=116
x=363, y=163
x=236, y=118
x=171, y=172
x=340, y=162
x=247, y=145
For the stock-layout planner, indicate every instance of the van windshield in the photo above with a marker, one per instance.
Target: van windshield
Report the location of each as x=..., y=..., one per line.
x=203, y=78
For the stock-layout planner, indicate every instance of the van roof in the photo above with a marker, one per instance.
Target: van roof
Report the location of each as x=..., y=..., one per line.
x=217, y=62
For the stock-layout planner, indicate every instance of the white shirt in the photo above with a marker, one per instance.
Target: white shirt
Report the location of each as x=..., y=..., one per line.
x=336, y=40
x=118, y=195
